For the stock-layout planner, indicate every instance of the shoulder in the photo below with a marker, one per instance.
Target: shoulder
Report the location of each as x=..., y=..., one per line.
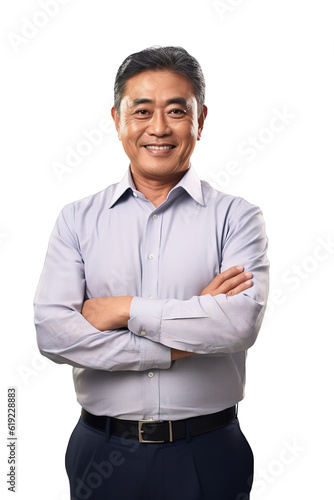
x=232, y=204
x=90, y=204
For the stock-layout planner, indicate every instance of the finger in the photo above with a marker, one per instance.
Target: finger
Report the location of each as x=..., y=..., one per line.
x=240, y=288
x=226, y=275
x=232, y=283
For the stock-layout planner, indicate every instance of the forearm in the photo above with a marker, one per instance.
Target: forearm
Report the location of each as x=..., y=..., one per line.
x=69, y=338
x=114, y=312
x=202, y=325
x=107, y=313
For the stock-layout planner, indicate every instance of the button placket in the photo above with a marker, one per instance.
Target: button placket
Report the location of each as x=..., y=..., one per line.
x=150, y=270
x=151, y=249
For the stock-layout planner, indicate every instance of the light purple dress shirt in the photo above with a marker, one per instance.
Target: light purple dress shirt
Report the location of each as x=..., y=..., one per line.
x=116, y=242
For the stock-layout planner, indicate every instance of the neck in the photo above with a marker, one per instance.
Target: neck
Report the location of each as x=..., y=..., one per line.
x=156, y=190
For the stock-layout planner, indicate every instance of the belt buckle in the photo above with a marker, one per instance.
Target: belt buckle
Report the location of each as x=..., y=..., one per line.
x=141, y=430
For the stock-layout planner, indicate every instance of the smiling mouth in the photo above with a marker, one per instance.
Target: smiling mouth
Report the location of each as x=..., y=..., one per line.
x=159, y=148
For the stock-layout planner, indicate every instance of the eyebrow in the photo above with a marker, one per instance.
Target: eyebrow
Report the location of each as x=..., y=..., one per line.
x=175, y=100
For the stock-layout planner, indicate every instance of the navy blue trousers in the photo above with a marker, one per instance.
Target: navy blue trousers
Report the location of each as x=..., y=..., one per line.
x=217, y=465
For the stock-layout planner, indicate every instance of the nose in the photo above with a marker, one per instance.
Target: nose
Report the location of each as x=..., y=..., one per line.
x=159, y=124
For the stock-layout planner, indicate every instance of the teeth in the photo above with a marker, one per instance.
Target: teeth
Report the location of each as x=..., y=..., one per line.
x=159, y=147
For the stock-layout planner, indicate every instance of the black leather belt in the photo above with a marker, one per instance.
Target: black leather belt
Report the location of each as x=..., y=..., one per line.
x=160, y=431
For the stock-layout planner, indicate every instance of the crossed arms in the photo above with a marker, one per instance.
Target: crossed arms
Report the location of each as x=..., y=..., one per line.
x=109, y=313
x=137, y=333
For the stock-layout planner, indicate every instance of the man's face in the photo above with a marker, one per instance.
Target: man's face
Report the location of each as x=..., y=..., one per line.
x=159, y=124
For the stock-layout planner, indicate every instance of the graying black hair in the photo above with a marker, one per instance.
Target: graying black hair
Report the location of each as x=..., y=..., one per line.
x=175, y=59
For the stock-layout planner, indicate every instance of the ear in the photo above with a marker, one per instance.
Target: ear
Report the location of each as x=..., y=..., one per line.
x=116, y=119
x=201, y=120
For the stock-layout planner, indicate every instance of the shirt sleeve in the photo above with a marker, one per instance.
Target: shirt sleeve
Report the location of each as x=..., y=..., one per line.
x=219, y=324
x=63, y=334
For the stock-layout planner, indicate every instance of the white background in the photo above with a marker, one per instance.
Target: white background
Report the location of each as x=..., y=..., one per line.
x=259, y=57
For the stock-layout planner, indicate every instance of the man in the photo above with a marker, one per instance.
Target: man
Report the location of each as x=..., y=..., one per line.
x=154, y=289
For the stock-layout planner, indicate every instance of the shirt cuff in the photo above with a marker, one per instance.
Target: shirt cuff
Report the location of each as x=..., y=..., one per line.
x=145, y=317
x=155, y=356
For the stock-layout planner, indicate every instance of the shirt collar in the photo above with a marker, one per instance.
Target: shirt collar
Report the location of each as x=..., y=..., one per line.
x=190, y=183
x=125, y=184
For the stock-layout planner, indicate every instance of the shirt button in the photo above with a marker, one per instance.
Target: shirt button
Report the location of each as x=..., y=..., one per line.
x=135, y=194
x=143, y=333
x=150, y=374
x=151, y=256
x=155, y=217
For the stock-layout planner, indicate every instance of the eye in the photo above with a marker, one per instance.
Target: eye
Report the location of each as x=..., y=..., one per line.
x=142, y=112
x=177, y=111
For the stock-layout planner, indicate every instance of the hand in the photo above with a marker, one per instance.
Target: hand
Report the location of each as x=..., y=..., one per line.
x=176, y=354
x=107, y=313
x=229, y=282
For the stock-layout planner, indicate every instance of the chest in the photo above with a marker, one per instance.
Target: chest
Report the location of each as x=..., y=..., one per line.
x=171, y=253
